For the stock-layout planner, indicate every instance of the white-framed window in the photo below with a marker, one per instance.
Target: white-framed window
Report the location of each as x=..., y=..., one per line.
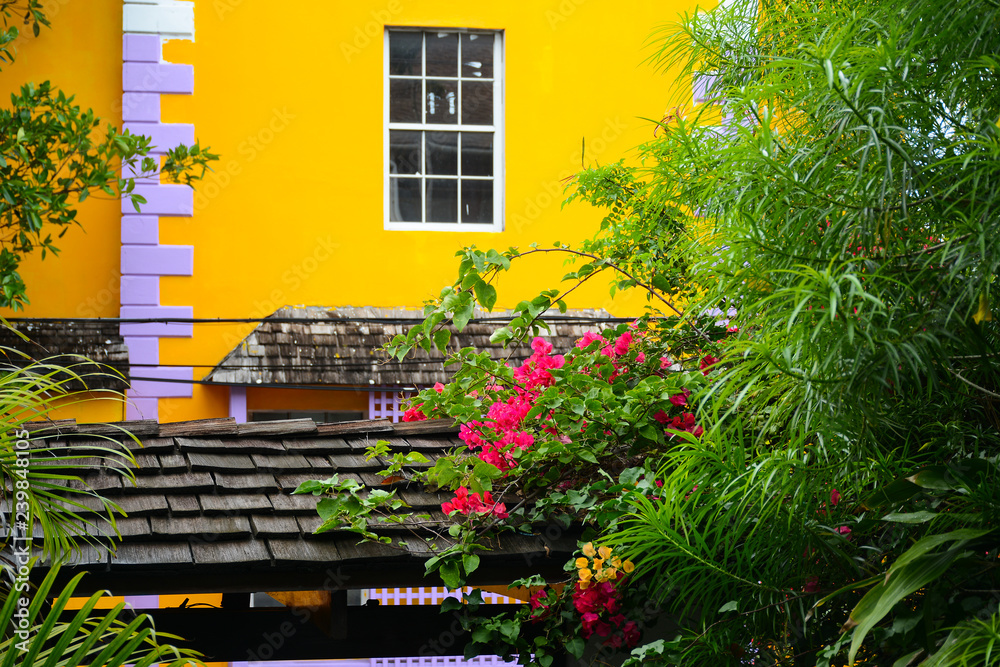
x=443, y=145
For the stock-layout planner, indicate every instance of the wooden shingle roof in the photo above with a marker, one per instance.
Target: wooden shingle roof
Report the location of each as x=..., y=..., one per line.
x=64, y=343
x=211, y=509
x=342, y=347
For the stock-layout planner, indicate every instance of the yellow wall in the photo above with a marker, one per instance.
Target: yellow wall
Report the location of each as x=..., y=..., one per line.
x=299, y=219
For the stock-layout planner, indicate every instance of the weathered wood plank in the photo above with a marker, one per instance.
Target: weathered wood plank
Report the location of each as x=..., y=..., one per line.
x=244, y=552
x=278, y=427
x=220, y=462
x=140, y=428
x=215, y=527
x=342, y=428
x=173, y=463
x=301, y=551
x=243, y=503
x=152, y=554
x=188, y=481
x=280, y=462
x=200, y=427
x=151, y=445
x=185, y=504
x=245, y=482
x=323, y=445
x=436, y=426
x=286, y=503
x=274, y=526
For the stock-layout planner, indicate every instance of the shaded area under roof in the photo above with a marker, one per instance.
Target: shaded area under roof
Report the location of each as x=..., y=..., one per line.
x=331, y=347
x=93, y=350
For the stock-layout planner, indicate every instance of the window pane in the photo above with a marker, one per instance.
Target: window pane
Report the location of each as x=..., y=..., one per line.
x=442, y=54
x=404, y=152
x=477, y=153
x=442, y=153
x=404, y=199
x=442, y=200
x=404, y=100
x=477, y=56
x=442, y=101
x=477, y=201
x=404, y=53
x=477, y=102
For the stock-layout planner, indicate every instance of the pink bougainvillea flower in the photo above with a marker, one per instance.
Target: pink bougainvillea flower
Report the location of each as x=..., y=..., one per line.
x=438, y=387
x=414, y=414
x=588, y=338
x=812, y=584
x=680, y=399
x=662, y=417
x=623, y=343
x=845, y=531
x=834, y=497
x=641, y=357
x=706, y=364
x=665, y=363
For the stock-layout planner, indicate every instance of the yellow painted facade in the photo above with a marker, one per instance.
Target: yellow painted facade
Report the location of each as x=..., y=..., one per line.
x=292, y=99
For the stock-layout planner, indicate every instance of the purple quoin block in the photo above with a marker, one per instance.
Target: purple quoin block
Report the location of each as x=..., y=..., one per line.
x=162, y=389
x=144, y=107
x=161, y=329
x=141, y=48
x=141, y=408
x=162, y=260
x=140, y=290
x=140, y=230
x=164, y=136
x=162, y=199
x=157, y=78
x=143, y=350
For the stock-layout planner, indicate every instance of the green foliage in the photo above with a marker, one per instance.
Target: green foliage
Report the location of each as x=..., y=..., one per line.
x=837, y=199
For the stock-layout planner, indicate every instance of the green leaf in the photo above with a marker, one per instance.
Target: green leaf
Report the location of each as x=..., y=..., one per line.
x=451, y=574
x=470, y=562
x=911, y=517
x=732, y=605
x=451, y=604
x=441, y=339
x=915, y=569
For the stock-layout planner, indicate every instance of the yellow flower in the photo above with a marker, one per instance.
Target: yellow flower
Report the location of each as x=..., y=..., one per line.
x=582, y=563
x=602, y=575
x=605, y=552
x=612, y=573
x=598, y=563
x=588, y=550
x=628, y=566
x=585, y=575
x=617, y=562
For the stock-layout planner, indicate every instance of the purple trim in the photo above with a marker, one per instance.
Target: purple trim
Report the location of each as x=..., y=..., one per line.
x=238, y=404
x=141, y=48
x=157, y=78
x=161, y=329
x=140, y=290
x=143, y=350
x=159, y=260
x=166, y=199
x=163, y=136
x=150, y=388
x=141, y=107
x=140, y=230
x=141, y=408
x=143, y=601
x=143, y=260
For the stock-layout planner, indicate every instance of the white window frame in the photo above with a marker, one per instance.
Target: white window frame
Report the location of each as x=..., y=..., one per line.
x=499, y=194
